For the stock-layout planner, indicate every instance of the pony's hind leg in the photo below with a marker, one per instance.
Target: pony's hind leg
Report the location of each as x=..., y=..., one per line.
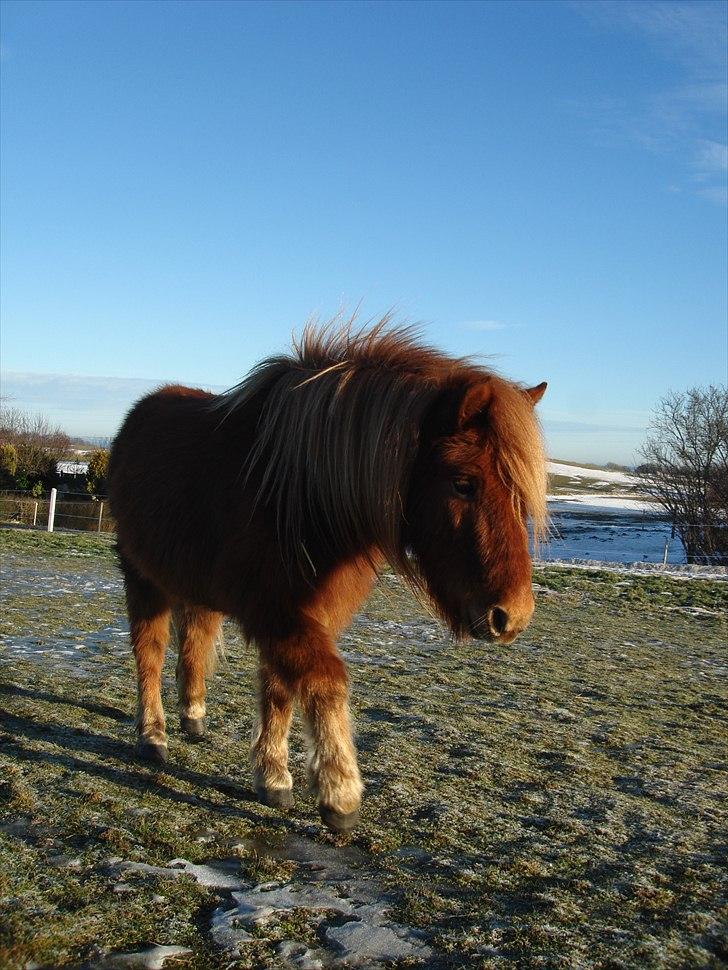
x=198, y=630
x=269, y=751
x=149, y=620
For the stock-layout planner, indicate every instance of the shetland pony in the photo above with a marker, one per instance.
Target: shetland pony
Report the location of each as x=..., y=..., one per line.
x=276, y=502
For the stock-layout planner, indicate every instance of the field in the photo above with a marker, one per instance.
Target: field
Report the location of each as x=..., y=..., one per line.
x=561, y=802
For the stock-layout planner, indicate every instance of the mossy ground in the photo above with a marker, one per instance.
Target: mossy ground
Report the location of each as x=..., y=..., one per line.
x=560, y=802
x=568, y=485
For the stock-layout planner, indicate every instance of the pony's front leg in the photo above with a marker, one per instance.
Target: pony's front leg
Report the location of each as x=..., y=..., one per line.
x=333, y=769
x=311, y=666
x=269, y=751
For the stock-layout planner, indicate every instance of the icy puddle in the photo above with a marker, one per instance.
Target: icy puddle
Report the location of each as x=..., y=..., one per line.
x=348, y=909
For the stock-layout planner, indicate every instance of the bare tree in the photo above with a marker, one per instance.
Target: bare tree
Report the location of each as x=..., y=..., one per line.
x=686, y=469
x=38, y=443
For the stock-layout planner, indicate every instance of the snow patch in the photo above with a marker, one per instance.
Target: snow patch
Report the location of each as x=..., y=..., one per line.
x=219, y=876
x=673, y=570
x=577, y=471
x=366, y=939
x=152, y=958
x=352, y=911
x=616, y=503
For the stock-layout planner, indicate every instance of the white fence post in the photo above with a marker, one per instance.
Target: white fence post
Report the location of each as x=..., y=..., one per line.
x=52, y=509
x=35, y=514
x=101, y=512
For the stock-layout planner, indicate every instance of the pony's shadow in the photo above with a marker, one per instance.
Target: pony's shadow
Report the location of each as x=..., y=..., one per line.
x=41, y=695
x=137, y=776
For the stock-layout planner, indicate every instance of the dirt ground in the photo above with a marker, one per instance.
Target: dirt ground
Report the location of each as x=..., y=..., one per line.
x=561, y=802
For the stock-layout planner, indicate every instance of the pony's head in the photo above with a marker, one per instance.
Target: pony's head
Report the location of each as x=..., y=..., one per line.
x=369, y=441
x=478, y=481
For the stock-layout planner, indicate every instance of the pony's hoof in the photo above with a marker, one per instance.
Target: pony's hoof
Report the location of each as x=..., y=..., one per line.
x=194, y=727
x=151, y=751
x=338, y=821
x=276, y=797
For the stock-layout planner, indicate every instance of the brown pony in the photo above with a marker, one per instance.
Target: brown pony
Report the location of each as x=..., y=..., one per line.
x=276, y=502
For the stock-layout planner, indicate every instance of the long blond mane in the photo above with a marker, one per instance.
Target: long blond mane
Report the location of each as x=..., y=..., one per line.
x=339, y=429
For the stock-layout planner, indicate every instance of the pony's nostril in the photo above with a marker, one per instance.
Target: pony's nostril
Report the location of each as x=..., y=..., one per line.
x=498, y=621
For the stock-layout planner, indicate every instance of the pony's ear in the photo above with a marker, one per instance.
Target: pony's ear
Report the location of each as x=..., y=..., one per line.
x=534, y=394
x=475, y=400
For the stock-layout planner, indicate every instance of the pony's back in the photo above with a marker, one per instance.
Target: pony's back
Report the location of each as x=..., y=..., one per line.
x=184, y=518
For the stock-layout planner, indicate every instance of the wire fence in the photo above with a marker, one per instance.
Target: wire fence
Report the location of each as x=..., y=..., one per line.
x=77, y=513
x=644, y=536
x=73, y=513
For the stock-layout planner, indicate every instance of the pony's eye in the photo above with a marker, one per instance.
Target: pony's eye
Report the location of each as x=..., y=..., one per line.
x=464, y=487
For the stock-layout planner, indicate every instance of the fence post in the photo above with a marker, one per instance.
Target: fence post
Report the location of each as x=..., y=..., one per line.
x=667, y=547
x=35, y=514
x=101, y=512
x=52, y=509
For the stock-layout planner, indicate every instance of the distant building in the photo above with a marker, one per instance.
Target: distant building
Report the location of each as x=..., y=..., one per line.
x=72, y=476
x=72, y=468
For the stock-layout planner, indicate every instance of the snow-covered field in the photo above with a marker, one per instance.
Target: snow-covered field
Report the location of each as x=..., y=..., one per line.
x=578, y=472
x=616, y=526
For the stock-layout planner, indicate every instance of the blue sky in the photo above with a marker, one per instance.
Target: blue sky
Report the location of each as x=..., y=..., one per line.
x=184, y=184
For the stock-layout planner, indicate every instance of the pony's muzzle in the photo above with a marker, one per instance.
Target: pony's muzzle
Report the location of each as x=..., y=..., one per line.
x=498, y=621
x=501, y=623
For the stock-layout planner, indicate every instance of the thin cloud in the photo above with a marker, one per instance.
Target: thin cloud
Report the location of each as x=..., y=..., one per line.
x=71, y=390
x=714, y=193
x=684, y=118
x=83, y=406
x=712, y=156
x=689, y=31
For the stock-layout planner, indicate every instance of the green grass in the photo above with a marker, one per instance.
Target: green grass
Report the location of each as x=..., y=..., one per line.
x=651, y=594
x=559, y=802
x=33, y=542
x=565, y=485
